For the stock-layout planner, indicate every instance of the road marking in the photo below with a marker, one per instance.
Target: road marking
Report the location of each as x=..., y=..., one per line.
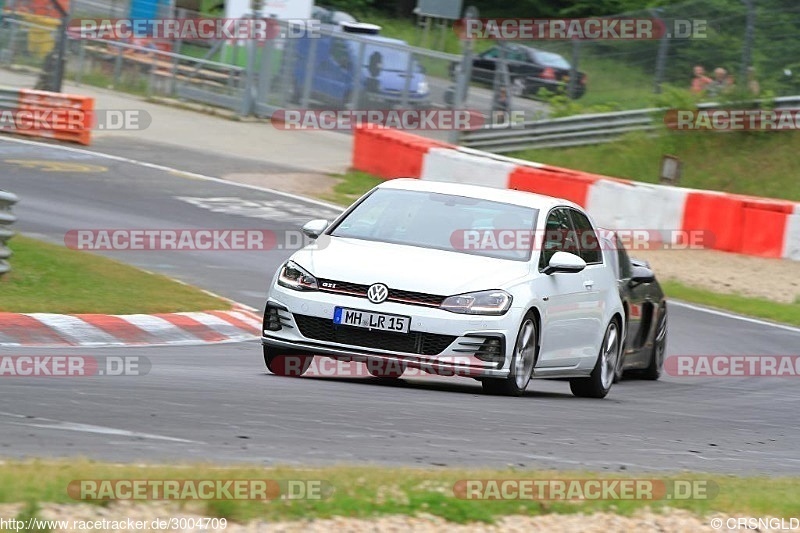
x=733, y=315
x=173, y=170
x=48, y=423
x=266, y=209
x=56, y=166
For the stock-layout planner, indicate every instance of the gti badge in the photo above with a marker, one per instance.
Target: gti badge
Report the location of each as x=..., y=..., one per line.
x=377, y=293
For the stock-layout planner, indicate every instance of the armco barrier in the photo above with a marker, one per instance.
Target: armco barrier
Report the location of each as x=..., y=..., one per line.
x=728, y=222
x=78, y=109
x=6, y=219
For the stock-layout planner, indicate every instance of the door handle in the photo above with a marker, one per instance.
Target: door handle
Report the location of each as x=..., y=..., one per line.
x=588, y=284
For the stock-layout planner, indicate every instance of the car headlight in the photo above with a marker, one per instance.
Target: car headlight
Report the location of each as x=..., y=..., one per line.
x=293, y=276
x=422, y=87
x=494, y=302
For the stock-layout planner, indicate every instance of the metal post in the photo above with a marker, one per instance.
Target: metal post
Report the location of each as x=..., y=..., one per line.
x=749, y=34
x=464, y=75
x=81, y=60
x=265, y=73
x=407, y=85
x=573, y=73
x=661, y=58
x=117, y=67
x=359, y=73
x=248, y=96
x=307, y=79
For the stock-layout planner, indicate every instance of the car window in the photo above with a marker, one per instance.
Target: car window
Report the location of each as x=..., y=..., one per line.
x=559, y=236
x=491, y=53
x=590, y=249
x=444, y=222
x=549, y=59
x=340, y=54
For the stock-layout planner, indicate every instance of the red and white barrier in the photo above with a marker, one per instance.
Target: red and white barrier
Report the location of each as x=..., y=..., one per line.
x=748, y=225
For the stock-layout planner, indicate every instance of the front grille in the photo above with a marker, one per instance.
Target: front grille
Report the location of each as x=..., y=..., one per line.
x=395, y=295
x=417, y=342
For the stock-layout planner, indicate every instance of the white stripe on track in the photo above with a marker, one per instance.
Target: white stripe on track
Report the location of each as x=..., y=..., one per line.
x=75, y=330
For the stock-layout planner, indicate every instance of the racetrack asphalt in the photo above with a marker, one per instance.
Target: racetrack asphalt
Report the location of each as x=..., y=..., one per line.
x=218, y=403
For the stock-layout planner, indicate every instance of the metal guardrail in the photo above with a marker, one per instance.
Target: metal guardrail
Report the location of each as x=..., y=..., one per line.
x=6, y=219
x=581, y=130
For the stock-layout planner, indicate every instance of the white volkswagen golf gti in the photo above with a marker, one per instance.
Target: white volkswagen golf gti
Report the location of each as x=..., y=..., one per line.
x=498, y=285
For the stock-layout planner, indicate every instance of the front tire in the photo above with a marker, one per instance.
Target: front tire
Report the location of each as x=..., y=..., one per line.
x=601, y=379
x=522, y=362
x=287, y=365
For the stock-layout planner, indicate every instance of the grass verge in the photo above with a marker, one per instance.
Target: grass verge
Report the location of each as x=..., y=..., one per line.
x=760, y=164
x=745, y=305
x=373, y=491
x=54, y=279
x=352, y=185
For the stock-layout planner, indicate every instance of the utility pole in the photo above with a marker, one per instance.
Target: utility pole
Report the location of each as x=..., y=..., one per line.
x=749, y=35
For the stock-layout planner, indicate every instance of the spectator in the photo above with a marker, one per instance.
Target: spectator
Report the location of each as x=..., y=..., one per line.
x=700, y=80
x=720, y=83
x=752, y=83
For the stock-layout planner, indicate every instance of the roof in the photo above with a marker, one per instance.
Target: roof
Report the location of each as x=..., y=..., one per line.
x=509, y=196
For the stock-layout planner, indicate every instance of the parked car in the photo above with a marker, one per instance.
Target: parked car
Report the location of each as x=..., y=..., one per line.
x=645, y=313
x=334, y=68
x=389, y=280
x=530, y=69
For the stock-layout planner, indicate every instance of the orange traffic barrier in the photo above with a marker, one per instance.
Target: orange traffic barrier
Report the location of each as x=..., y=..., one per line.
x=64, y=117
x=765, y=226
x=552, y=181
x=390, y=153
x=720, y=214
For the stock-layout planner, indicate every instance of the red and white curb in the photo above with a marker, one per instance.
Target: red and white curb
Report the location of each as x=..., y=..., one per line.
x=47, y=329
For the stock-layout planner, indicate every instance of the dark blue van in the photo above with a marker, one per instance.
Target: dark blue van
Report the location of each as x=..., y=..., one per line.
x=383, y=70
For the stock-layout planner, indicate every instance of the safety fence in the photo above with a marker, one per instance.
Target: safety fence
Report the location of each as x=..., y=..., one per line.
x=748, y=225
x=6, y=219
x=64, y=117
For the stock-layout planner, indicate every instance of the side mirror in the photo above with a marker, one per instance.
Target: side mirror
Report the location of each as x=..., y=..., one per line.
x=641, y=275
x=564, y=262
x=314, y=228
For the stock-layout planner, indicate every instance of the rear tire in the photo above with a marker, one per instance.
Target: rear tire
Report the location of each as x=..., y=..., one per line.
x=601, y=379
x=522, y=362
x=654, y=369
x=287, y=365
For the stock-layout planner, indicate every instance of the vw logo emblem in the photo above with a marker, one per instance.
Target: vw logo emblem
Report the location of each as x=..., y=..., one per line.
x=377, y=293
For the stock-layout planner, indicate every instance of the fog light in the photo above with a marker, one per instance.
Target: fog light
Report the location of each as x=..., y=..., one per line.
x=272, y=321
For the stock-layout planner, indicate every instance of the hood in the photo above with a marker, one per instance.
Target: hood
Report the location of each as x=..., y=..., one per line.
x=407, y=267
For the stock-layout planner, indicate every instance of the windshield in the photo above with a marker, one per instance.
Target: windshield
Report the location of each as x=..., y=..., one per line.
x=391, y=58
x=442, y=222
x=549, y=59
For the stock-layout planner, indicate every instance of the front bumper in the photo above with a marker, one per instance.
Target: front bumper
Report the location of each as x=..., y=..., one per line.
x=439, y=342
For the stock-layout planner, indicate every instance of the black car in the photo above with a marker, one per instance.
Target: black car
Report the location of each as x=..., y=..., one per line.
x=529, y=70
x=645, y=314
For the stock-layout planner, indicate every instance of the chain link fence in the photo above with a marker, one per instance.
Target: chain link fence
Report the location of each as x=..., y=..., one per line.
x=332, y=69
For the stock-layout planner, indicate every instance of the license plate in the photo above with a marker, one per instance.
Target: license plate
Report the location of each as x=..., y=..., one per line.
x=368, y=320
